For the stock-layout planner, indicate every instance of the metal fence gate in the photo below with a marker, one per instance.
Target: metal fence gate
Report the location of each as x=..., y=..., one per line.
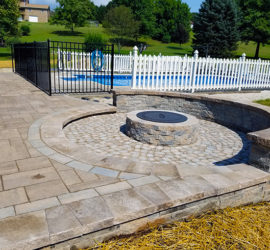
x=65, y=67
x=32, y=61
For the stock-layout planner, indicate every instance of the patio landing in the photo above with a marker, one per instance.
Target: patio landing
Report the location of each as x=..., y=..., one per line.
x=50, y=194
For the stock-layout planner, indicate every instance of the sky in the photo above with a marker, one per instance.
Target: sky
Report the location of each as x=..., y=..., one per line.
x=194, y=4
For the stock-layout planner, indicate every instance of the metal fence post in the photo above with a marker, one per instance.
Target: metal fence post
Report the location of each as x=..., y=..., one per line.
x=36, y=69
x=112, y=65
x=49, y=67
x=12, y=54
x=134, y=67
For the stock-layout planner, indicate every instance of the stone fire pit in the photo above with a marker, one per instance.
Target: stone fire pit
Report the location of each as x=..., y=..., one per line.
x=160, y=127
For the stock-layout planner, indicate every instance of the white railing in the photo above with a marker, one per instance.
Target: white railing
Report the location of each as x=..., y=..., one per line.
x=167, y=73
x=81, y=61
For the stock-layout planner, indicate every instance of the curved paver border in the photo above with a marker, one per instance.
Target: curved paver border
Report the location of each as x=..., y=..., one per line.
x=47, y=136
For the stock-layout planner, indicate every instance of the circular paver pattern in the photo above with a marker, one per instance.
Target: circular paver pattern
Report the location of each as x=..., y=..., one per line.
x=105, y=134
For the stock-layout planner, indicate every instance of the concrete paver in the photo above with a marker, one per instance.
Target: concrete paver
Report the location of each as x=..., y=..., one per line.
x=61, y=195
x=46, y=190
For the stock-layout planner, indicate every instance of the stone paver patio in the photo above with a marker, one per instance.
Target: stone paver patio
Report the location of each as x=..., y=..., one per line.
x=54, y=189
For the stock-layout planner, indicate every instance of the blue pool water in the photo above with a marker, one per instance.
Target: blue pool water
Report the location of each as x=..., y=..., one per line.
x=125, y=80
x=118, y=80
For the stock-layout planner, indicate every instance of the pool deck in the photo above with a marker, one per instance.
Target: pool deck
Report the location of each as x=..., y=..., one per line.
x=47, y=197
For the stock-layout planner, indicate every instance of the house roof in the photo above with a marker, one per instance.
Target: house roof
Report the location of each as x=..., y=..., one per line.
x=34, y=6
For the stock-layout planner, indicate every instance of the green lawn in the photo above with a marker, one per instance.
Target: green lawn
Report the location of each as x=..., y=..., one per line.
x=265, y=102
x=42, y=32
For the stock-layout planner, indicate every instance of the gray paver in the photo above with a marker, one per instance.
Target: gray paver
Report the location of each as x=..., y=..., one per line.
x=60, y=158
x=143, y=180
x=36, y=205
x=7, y=212
x=80, y=165
x=80, y=195
x=105, y=171
x=113, y=188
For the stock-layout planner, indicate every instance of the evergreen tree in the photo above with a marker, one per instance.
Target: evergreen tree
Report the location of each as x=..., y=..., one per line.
x=9, y=14
x=216, y=28
x=255, y=22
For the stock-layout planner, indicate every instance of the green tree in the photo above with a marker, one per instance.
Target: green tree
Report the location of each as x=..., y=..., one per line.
x=216, y=28
x=173, y=20
x=255, y=22
x=9, y=14
x=73, y=13
x=143, y=11
x=121, y=24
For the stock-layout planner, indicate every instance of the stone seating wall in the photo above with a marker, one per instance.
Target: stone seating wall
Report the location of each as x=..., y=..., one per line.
x=246, y=118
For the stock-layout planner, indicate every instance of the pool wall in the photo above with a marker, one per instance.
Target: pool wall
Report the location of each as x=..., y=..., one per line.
x=239, y=116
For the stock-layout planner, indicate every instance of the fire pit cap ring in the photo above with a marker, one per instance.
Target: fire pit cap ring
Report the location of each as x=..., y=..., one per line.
x=162, y=116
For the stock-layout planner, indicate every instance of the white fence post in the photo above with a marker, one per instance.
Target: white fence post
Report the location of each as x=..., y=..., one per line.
x=134, y=67
x=242, y=70
x=194, y=70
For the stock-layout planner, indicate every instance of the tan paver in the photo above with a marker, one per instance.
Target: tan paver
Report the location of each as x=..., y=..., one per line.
x=12, y=149
x=90, y=214
x=34, y=163
x=29, y=178
x=62, y=224
x=9, y=133
x=8, y=168
x=12, y=197
x=70, y=177
x=127, y=205
x=24, y=232
x=46, y=190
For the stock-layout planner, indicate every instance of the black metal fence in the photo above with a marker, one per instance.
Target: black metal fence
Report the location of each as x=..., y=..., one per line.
x=32, y=61
x=65, y=67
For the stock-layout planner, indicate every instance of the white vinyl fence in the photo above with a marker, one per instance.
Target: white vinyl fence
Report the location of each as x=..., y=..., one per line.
x=167, y=73
x=81, y=61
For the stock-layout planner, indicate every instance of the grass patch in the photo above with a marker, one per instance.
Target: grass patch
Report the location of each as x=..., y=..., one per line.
x=245, y=227
x=45, y=31
x=265, y=102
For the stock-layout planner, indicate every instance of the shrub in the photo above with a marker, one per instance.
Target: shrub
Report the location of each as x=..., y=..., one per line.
x=95, y=41
x=25, y=30
x=166, y=38
x=12, y=40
